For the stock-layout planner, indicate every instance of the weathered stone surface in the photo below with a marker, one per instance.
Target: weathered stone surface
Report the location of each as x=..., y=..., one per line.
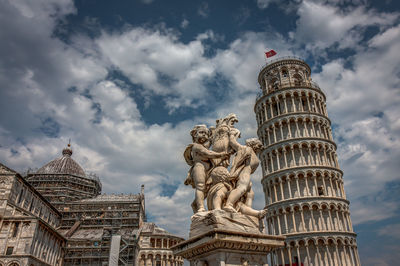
x=221, y=247
x=203, y=222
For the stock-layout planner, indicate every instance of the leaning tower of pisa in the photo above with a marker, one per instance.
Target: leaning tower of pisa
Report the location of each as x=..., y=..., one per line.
x=302, y=180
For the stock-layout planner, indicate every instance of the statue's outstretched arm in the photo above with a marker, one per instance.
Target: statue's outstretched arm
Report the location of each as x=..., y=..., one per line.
x=234, y=143
x=203, y=152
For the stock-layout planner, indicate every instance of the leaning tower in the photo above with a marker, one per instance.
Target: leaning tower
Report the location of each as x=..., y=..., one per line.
x=302, y=181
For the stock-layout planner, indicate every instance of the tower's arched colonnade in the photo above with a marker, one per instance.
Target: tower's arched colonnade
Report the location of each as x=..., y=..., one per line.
x=302, y=180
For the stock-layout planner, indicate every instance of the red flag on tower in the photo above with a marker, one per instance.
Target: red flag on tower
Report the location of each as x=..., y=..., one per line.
x=270, y=53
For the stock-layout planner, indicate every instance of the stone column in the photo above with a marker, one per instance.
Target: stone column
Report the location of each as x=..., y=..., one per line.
x=283, y=257
x=318, y=156
x=284, y=156
x=314, y=134
x=289, y=254
x=302, y=220
x=308, y=104
x=293, y=103
x=293, y=157
x=307, y=188
x=284, y=101
x=329, y=254
x=301, y=155
x=322, y=220
x=297, y=133
x=274, y=133
x=318, y=255
x=294, y=221
x=314, y=226
x=285, y=220
x=315, y=103
x=281, y=186
x=315, y=185
x=289, y=130
x=289, y=188
x=310, y=155
x=338, y=259
x=296, y=177
x=306, y=133
x=323, y=183
x=333, y=192
x=265, y=110
x=279, y=224
x=277, y=160
x=330, y=219
x=270, y=107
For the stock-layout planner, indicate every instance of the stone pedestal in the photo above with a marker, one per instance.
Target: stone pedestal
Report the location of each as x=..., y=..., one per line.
x=219, y=238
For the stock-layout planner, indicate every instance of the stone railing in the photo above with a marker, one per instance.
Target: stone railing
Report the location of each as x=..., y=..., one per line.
x=310, y=84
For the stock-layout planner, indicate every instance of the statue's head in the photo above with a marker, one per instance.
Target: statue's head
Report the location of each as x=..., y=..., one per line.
x=255, y=144
x=200, y=134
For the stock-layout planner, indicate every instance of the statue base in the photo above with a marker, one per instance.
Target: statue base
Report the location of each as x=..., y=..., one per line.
x=219, y=238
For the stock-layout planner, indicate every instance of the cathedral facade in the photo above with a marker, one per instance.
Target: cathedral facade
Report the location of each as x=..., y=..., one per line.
x=302, y=180
x=58, y=216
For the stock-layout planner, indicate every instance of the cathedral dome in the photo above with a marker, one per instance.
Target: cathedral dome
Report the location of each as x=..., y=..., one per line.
x=63, y=165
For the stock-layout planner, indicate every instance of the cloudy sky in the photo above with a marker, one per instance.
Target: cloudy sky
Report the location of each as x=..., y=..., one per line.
x=127, y=80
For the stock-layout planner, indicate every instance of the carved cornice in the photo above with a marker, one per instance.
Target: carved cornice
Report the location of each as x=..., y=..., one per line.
x=306, y=201
x=233, y=242
x=288, y=89
x=296, y=141
x=284, y=118
x=296, y=170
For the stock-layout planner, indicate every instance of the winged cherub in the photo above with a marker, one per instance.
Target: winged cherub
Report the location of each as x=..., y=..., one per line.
x=198, y=156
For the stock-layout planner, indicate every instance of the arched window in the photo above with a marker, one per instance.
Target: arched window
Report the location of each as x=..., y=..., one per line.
x=274, y=83
x=284, y=73
x=297, y=79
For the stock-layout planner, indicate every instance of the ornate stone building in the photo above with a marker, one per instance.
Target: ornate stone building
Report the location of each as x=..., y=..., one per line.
x=302, y=180
x=58, y=216
x=63, y=180
x=28, y=223
x=154, y=247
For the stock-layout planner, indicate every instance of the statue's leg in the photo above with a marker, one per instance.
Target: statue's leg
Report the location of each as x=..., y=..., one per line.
x=252, y=212
x=240, y=190
x=249, y=196
x=199, y=178
x=219, y=198
x=199, y=198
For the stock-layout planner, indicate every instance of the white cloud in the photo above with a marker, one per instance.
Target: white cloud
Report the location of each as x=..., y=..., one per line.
x=184, y=23
x=363, y=103
x=321, y=25
x=203, y=10
x=127, y=152
x=391, y=230
x=262, y=4
x=156, y=60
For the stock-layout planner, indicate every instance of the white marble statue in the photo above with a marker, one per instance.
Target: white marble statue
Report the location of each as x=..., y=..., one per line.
x=198, y=156
x=226, y=186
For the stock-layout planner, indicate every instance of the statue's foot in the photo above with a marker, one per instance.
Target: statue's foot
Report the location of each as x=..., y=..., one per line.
x=261, y=214
x=201, y=210
x=229, y=208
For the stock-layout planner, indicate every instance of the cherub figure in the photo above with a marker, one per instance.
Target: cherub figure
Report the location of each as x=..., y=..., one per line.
x=221, y=186
x=244, y=164
x=198, y=156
